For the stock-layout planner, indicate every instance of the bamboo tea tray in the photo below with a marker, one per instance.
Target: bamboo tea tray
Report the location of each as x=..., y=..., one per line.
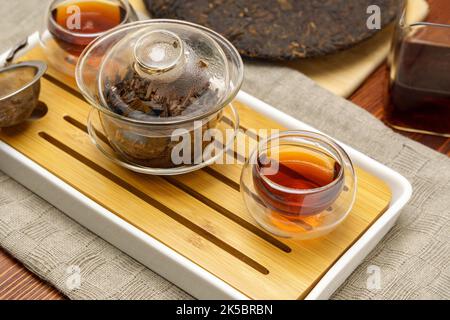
x=193, y=229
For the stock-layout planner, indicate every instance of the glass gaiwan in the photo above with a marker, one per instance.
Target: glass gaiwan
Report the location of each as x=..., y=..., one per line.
x=298, y=184
x=161, y=92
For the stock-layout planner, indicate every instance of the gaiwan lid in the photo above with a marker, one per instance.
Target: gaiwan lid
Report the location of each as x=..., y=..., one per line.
x=160, y=71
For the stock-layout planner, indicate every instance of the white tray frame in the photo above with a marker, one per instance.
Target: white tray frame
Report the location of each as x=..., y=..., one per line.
x=170, y=264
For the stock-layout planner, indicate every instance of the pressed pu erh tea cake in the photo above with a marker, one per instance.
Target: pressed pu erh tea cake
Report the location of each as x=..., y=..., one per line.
x=281, y=29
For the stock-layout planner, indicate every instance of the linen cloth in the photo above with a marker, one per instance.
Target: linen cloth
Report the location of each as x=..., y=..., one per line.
x=413, y=258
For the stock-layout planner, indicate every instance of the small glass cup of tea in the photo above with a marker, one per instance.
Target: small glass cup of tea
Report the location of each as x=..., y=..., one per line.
x=418, y=98
x=70, y=25
x=298, y=184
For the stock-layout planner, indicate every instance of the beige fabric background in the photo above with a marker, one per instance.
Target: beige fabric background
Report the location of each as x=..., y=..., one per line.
x=414, y=257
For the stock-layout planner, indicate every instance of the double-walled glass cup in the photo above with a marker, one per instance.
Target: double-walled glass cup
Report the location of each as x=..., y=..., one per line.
x=161, y=92
x=70, y=25
x=298, y=184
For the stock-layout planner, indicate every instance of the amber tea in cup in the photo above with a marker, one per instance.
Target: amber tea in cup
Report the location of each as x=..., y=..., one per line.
x=74, y=24
x=299, y=168
x=298, y=184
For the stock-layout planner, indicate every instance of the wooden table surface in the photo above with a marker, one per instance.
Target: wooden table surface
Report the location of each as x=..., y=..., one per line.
x=16, y=282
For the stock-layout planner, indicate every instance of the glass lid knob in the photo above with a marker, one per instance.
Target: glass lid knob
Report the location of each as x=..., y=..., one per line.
x=158, y=51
